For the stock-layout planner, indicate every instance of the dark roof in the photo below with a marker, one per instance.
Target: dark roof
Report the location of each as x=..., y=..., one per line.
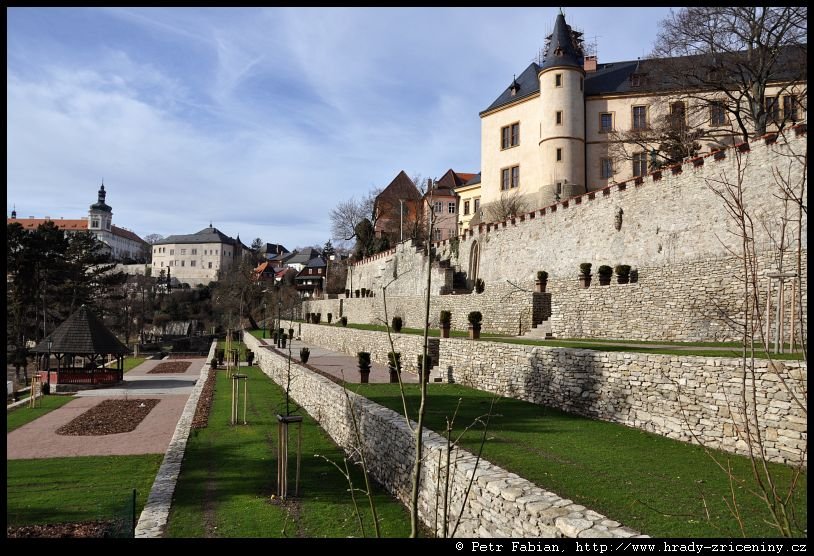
x=207, y=235
x=303, y=257
x=564, y=47
x=82, y=333
x=273, y=248
x=316, y=262
x=474, y=180
x=402, y=187
x=451, y=180
x=100, y=204
x=615, y=77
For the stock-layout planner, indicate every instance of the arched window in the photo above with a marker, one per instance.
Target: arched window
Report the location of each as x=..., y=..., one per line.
x=474, y=261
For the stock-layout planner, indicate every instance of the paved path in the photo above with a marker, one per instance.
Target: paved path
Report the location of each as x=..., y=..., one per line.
x=38, y=439
x=341, y=365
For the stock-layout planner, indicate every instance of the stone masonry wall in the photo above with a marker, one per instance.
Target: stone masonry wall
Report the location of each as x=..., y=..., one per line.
x=500, y=504
x=672, y=228
x=505, y=308
x=674, y=396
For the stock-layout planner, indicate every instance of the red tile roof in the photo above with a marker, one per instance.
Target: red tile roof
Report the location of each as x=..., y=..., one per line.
x=62, y=224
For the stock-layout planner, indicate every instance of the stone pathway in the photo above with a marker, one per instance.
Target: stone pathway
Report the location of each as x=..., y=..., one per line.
x=341, y=365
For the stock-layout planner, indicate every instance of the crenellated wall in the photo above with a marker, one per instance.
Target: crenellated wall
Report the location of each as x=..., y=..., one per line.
x=671, y=227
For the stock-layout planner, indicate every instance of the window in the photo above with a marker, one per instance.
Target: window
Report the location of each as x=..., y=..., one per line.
x=678, y=115
x=640, y=164
x=559, y=117
x=194, y=251
x=477, y=204
x=182, y=263
x=191, y=263
x=605, y=168
x=772, y=110
x=510, y=177
x=183, y=251
x=216, y=251
x=559, y=155
x=639, y=117
x=210, y=265
x=170, y=263
x=510, y=136
x=451, y=208
x=790, y=104
x=635, y=80
x=717, y=114
x=94, y=223
x=162, y=263
x=466, y=207
x=437, y=207
x=605, y=122
x=172, y=251
x=558, y=80
x=558, y=190
x=436, y=234
x=310, y=271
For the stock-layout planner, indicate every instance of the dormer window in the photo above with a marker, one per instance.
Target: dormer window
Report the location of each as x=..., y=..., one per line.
x=94, y=223
x=558, y=51
x=636, y=80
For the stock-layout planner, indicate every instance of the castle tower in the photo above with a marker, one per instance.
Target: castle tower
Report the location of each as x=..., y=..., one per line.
x=100, y=214
x=562, y=115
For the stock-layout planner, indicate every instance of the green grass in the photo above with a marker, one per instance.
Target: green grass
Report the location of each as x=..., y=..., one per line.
x=597, y=344
x=131, y=363
x=64, y=490
x=648, y=482
x=18, y=417
x=229, y=474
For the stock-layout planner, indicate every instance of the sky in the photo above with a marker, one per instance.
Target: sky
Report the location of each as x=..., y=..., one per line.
x=261, y=120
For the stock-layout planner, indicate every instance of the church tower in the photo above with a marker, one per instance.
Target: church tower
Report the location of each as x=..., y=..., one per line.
x=100, y=214
x=562, y=115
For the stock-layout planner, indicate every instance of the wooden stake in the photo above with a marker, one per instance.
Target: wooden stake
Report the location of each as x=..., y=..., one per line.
x=793, y=304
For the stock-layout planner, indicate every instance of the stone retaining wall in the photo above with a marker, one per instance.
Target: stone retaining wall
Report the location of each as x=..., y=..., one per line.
x=500, y=504
x=670, y=395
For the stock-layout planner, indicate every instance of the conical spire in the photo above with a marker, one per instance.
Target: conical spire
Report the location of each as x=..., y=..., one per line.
x=564, y=46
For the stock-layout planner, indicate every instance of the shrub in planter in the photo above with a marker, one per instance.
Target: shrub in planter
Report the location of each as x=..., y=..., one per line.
x=363, y=359
x=634, y=276
x=585, y=274
x=622, y=273
x=605, y=272
x=364, y=292
x=343, y=321
x=305, y=353
x=542, y=280
x=249, y=357
x=317, y=318
x=220, y=353
x=446, y=322
x=330, y=317
x=475, y=318
x=214, y=363
x=356, y=293
x=394, y=365
x=397, y=323
x=347, y=293
x=421, y=366
x=479, y=285
x=308, y=318
x=291, y=333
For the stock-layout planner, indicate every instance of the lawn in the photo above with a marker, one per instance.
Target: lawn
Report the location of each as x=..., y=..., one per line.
x=16, y=418
x=131, y=363
x=229, y=475
x=688, y=348
x=648, y=482
x=66, y=490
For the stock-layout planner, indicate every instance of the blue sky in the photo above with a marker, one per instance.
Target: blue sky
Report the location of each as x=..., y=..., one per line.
x=261, y=120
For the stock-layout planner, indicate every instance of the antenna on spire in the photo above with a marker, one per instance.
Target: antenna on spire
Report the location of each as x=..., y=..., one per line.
x=562, y=14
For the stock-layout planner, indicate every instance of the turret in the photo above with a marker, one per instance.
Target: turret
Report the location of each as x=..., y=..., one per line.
x=100, y=214
x=562, y=115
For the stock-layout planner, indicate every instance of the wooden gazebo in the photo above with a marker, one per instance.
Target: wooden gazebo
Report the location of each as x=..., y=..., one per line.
x=80, y=346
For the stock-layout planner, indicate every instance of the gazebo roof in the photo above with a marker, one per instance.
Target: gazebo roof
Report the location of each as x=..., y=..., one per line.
x=82, y=333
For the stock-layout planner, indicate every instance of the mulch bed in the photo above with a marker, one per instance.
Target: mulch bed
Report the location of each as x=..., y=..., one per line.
x=87, y=529
x=201, y=419
x=171, y=367
x=109, y=417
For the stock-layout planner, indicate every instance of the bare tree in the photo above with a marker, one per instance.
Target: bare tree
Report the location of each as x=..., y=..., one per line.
x=508, y=205
x=347, y=215
x=153, y=238
x=729, y=56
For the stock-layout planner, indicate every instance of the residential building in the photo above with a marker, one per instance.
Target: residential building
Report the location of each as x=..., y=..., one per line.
x=469, y=204
x=397, y=210
x=121, y=243
x=300, y=259
x=310, y=280
x=197, y=258
x=442, y=199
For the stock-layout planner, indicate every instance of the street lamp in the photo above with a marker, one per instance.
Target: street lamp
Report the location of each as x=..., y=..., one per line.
x=48, y=364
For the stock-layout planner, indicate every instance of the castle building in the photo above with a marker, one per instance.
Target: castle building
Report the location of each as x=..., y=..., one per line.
x=197, y=258
x=122, y=244
x=564, y=127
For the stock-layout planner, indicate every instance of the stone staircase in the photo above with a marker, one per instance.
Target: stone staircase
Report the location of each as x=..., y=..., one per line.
x=541, y=331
